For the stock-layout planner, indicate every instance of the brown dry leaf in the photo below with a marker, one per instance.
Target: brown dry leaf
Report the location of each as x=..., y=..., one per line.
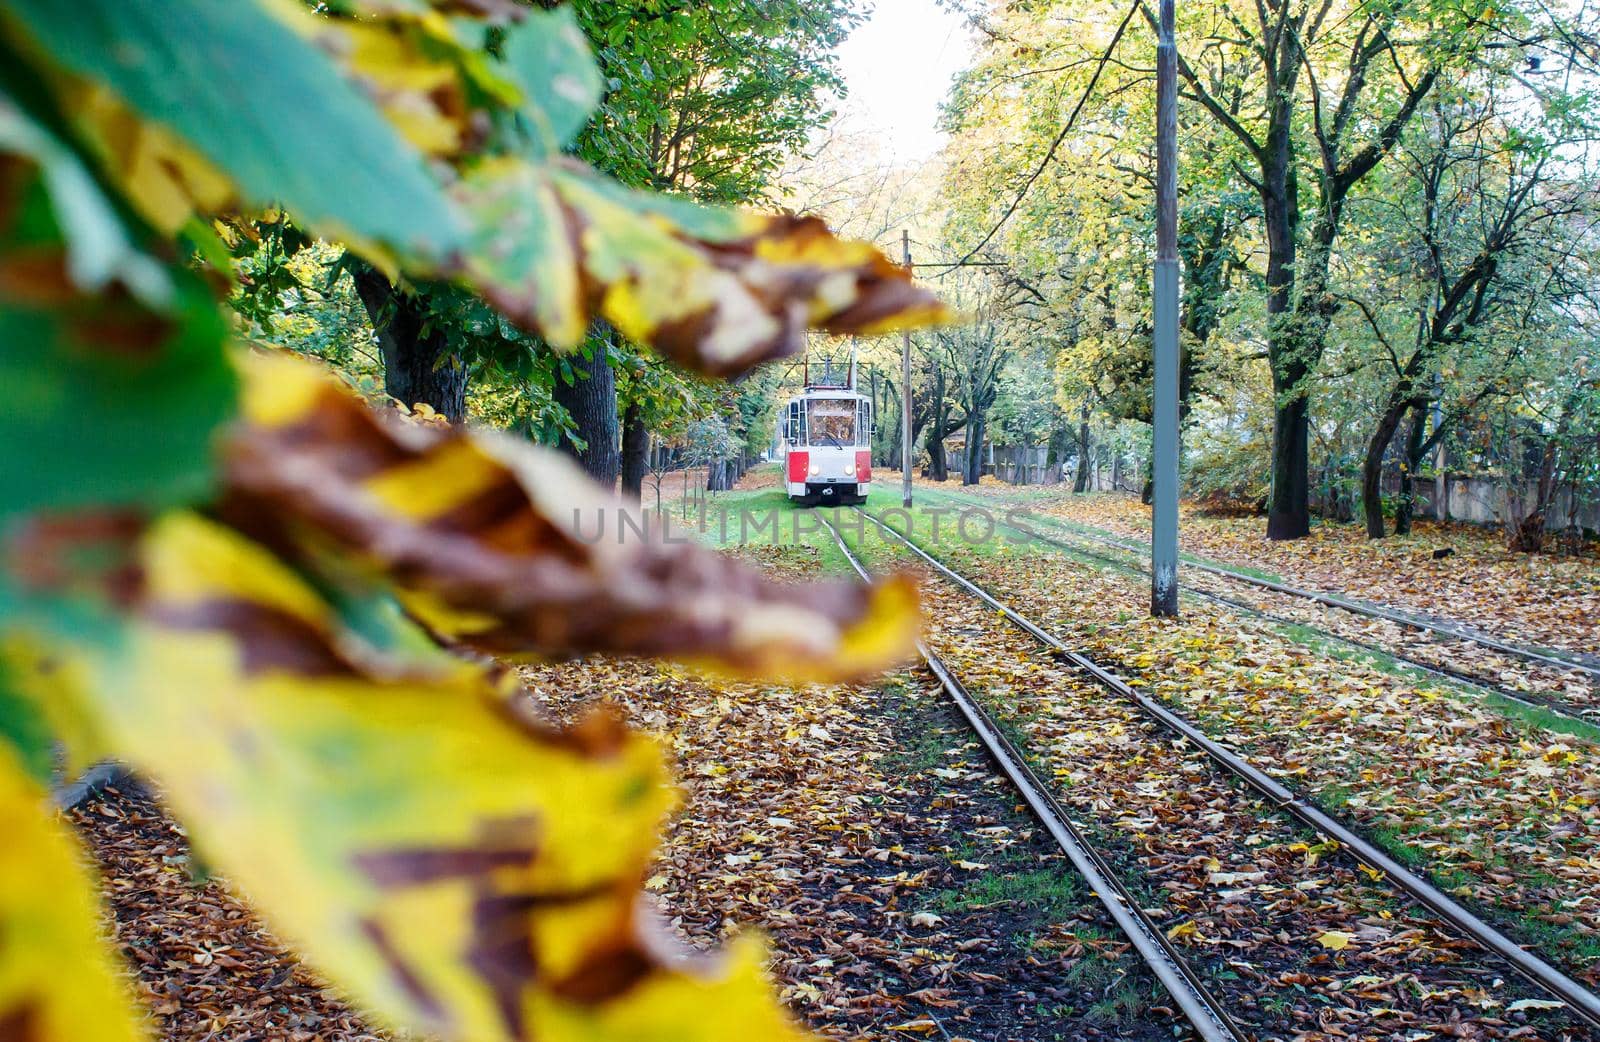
x=509, y=549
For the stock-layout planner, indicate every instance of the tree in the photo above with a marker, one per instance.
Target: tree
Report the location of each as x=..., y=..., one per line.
x=975, y=357
x=1381, y=62
x=1293, y=112
x=1490, y=230
x=656, y=400
x=711, y=444
x=931, y=416
x=1022, y=415
x=705, y=100
x=1064, y=219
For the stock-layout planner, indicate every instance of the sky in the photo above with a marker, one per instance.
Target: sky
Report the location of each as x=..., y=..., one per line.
x=898, y=67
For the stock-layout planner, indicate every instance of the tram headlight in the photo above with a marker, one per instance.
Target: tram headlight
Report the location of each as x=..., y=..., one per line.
x=815, y=470
x=849, y=469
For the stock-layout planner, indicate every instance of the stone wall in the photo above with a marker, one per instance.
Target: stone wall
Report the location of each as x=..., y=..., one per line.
x=1481, y=500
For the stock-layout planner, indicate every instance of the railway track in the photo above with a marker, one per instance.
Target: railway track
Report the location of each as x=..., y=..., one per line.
x=1565, y=710
x=1203, y=1011
x=1579, y=1000
x=1539, y=656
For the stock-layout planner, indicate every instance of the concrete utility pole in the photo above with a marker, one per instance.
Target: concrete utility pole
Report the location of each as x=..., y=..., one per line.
x=905, y=389
x=1164, y=529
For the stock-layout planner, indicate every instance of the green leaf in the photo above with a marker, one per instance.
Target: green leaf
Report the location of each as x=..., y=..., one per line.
x=520, y=254
x=107, y=403
x=549, y=57
x=24, y=728
x=98, y=248
x=261, y=104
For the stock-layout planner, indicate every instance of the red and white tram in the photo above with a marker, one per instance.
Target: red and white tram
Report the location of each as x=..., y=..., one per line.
x=825, y=443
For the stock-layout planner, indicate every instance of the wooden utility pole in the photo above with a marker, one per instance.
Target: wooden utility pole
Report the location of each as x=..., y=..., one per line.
x=1164, y=528
x=905, y=388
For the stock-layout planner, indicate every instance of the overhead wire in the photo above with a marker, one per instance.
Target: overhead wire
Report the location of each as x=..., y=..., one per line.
x=1055, y=146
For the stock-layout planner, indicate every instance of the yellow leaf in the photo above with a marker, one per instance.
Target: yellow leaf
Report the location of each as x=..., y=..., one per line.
x=167, y=180
x=920, y=1026
x=1315, y=851
x=1337, y=940
x=57, y=981
x=1526, y=1004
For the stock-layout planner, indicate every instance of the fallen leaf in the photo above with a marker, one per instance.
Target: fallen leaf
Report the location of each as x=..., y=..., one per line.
x=1526, y=1004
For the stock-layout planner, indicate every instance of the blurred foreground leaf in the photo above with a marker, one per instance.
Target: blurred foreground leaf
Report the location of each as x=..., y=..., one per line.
x=509, y=548
x=57, y=983
x=407, y=821
x=715, y=290
x=107, y=402
x=258, y=102
x=184, y=101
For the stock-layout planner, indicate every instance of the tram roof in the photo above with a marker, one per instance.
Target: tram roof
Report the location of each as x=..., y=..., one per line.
x=829, y=392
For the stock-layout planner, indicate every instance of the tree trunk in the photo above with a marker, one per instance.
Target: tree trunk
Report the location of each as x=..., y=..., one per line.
x=1441, y=479
x=1055, y=453
x=872, y=434
x=1080, y=480
x=938, y=467
x=895, y=454
x=1527, y=531
x=593, y=405
x=974, y=468
x=1372, y=467
x=635, y=452
x=418, y=367
x=1289, y=504
x=1406, y=509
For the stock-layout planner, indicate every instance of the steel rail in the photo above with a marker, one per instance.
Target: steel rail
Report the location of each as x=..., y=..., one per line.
x=1210, y=1020
x=1535, y=969
x=1571, y=713
x=1564, y=710
x=1375, y=611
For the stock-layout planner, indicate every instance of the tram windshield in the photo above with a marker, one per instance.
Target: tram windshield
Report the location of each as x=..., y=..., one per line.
x=832, y=421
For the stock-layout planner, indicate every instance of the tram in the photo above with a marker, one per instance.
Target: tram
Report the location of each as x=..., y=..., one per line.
x=825, y=443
